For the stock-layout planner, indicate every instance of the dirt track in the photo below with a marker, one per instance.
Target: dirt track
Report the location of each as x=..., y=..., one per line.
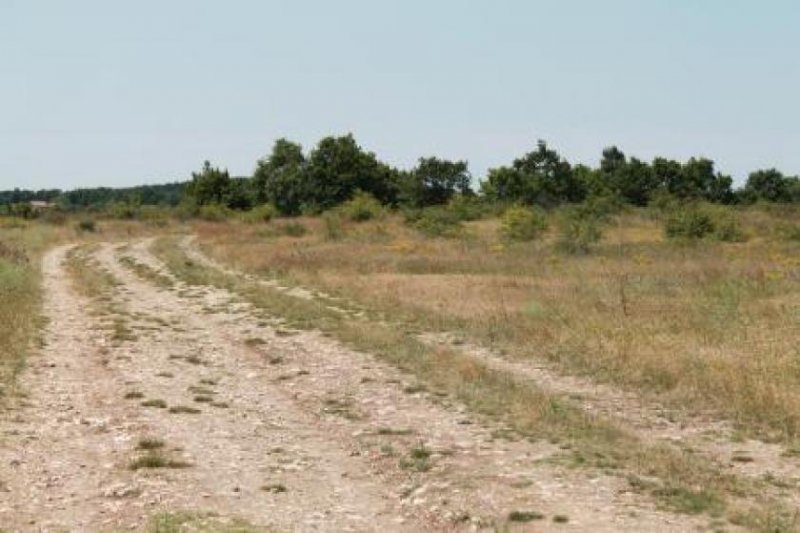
x=294, y=431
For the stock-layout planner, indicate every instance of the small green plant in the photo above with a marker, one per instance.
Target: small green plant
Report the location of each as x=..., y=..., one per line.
x=728, y=229
x=149, y=443
x=418, y=459
x=522, y=224
x=361, y=207
x=87, y=225
x=161, y=404
x=578, y=231
x=182, y=409
x=260, y=214
x=434, y=221
x=213, y=213
x=524, y=516
x=156, y=460
x=689, y=223
x=274, y=488
x=133, y=395
x=293, y=229
x=466, y=207
x=334, y=230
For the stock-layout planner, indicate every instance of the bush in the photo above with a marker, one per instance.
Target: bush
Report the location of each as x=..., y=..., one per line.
x=690, y=223
x=434, y=221
x=213, y=213
x=333, y=226
x=87, y=224
x=293, y=229
x=522, y=224
x=361, y=207
x=466, y=207
x=728, y=229
x=261, y=214
x=578, y=231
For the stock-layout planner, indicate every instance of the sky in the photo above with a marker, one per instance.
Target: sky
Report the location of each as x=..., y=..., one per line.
x=100, y=93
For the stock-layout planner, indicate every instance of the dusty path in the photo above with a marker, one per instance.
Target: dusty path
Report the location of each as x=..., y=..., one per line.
x=294, y=431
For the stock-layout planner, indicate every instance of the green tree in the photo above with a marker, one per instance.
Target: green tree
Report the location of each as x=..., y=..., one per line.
x=770, y=185
x=634, y=181
x=540, y=177
x=434, y=182
x=279, y=178
x=337, y=167
x=209, y=186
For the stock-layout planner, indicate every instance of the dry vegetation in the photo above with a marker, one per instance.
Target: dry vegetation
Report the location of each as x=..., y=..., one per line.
x=708, y=326
x=21, y=246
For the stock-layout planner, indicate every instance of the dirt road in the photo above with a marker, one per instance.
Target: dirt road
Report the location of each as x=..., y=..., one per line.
x=252, y=424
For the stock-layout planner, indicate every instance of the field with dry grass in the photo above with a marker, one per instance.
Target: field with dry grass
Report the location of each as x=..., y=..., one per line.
x=701, y=326
x=656, y=378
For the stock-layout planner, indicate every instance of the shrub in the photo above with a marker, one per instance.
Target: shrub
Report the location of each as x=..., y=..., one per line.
x=361, y=207
x=522, y=224
x=434, y=221
x=728, y=229
x=293, y=229
x=466, y=207
x=690, y=223
x=213, y=213
x=578, y=231
x=87, y=224
x=261, y=214
x=333, y=226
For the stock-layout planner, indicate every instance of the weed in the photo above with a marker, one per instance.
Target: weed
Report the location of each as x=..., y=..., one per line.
x=183, y=409
x=161, y=404
x=524, y=516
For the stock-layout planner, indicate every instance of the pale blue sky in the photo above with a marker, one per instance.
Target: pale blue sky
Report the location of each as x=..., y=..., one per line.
x=99, y=92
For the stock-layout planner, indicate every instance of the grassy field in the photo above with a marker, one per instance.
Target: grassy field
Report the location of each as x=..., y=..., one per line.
x=705, y=326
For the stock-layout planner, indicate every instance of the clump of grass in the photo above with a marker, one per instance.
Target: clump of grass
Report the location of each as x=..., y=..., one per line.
x=393, y=431
x=203, y=399
x=418, y=459
x=161, y=404
x=134, y=395
x=522, y=224
x=156, y=460
x=524, y=516
x=149, y=443
x=274, y=488
x=183, y=409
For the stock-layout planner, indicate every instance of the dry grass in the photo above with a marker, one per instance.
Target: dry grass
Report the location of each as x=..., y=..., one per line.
x=707, y=327
x=21, y=247
x=683, y=481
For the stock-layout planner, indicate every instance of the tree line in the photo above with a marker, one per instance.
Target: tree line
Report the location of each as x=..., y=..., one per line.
x=337, y=168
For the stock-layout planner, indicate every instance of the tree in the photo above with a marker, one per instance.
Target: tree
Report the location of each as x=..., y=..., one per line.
x=633, y=181
x=540, y=177
x=770, y=185
x=338, y=167
x=435, y=181
x=279, y=180
x=209, y=186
